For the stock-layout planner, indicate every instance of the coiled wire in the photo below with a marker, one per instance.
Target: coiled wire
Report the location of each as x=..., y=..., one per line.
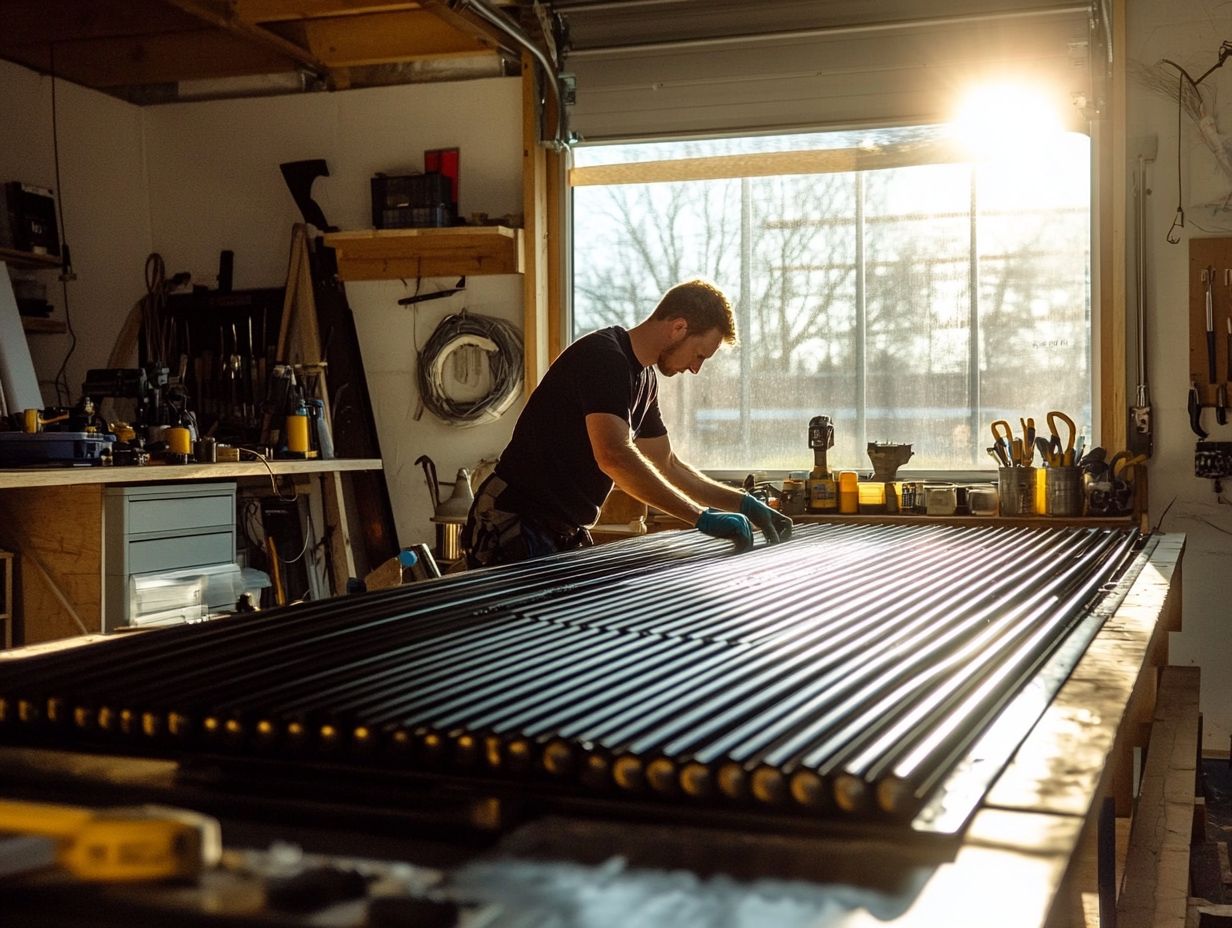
x=500, y=342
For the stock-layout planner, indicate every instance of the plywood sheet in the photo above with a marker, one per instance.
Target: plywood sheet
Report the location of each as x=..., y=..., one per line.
x=58, y=535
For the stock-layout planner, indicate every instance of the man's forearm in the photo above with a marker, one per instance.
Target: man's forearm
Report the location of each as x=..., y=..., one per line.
x=698, y=486
x=633, y=473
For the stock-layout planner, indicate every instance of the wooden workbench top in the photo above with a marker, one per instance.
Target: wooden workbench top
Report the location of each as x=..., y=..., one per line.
x=164, y=473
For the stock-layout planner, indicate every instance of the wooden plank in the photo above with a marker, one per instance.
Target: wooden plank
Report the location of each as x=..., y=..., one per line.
x=27, y=259
x=767, y=164
x=1156, y=888
x=220, y=16
x=166, y=473
x=389, y=254
x=473, y=25
x=535, y=303
x=1111, y=236
x=338, y=532
x=558, y=301
x=58, y=534
x=1006, y=874
x=265, y=11
x=381, y=38
x=157, y=59
x=35, y=326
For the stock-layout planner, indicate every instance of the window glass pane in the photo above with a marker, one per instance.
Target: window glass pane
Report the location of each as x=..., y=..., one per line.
x=910, y=304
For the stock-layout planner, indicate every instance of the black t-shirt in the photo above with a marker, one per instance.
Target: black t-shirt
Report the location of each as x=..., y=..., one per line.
x=549, y=464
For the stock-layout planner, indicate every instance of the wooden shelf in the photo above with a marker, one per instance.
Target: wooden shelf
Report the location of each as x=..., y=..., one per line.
x=35, y=325
x=27, y=259
x=455, y=251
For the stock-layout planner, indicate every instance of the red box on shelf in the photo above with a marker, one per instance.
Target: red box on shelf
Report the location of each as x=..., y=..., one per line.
x=445, y=161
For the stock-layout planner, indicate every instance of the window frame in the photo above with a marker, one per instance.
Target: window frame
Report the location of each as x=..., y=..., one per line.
x=842, y=160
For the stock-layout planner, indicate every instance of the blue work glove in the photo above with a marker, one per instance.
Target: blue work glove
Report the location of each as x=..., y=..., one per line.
x=773, y=524
x=719, y=524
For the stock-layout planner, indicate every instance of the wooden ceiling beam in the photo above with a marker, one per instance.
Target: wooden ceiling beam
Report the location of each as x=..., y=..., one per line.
x=272, y=11
x=160, y=59
x=480, y=30
x=382, y=38
x=219, y=13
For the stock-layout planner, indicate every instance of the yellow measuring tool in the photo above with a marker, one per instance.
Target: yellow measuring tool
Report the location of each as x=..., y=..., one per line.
x=120, y=844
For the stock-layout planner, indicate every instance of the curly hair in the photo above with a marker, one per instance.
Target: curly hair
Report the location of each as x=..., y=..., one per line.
x=702, y=305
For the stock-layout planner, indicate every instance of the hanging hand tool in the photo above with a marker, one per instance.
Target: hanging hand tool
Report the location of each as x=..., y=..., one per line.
x=1140, y=428
x=1221, y=395
x=1123, y=461
x=1208, y=278
x=1066, y=456
x=1195, y=411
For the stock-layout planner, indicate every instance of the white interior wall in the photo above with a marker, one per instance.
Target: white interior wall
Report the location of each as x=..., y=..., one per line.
x=106, y=211
x=215, y=184
x=1188, y=34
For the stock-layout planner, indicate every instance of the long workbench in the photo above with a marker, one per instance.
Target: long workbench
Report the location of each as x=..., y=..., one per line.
x=1026, y=860
x=53, y=519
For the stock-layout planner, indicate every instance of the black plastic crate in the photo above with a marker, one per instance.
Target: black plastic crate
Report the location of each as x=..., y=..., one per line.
x=411, y=201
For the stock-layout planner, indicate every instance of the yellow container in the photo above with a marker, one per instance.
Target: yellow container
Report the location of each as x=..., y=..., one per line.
x=297, y=434
x=848, y=492
x=1041, y=490
x=871, y=497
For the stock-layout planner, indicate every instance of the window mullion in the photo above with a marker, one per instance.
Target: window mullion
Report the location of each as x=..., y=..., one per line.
x=745, y=309
x=861, y=333
x=973, y=346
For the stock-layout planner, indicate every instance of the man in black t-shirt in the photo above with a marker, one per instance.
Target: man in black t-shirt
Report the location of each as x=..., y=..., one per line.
x=593, y=421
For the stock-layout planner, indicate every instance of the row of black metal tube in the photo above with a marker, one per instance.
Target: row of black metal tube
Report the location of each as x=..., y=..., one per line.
x=843, y=672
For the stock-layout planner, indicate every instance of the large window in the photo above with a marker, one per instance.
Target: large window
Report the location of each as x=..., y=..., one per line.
x=877, y=278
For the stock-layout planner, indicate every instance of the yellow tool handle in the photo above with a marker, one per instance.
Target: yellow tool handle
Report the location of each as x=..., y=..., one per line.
x=121, y=844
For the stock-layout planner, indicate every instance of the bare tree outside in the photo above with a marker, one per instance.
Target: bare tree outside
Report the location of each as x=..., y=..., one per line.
x=912, y=304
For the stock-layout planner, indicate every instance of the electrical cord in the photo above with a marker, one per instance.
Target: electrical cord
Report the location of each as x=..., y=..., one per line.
x=63, y=392
x=500, y=341
x=1196, y=110
x=273, y=477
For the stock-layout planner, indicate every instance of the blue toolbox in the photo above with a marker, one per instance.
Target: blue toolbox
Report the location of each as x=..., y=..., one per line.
x=18, y=449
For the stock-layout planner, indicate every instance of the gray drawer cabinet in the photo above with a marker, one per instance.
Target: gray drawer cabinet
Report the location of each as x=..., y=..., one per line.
x=150, y=529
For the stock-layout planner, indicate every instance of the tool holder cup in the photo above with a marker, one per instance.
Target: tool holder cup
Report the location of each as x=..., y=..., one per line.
x=1016, y=491
x=1064, y=491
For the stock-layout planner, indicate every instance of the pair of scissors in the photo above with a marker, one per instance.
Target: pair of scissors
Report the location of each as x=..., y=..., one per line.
x=1063, y=458
x=1007, y=448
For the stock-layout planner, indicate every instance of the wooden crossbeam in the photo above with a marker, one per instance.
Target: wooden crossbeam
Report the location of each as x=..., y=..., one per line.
x=155, y=59
x=218, y=13
x=380, y=38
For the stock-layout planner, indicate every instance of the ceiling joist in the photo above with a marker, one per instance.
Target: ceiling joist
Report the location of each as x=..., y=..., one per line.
x=379, y=38
x=132, y=47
